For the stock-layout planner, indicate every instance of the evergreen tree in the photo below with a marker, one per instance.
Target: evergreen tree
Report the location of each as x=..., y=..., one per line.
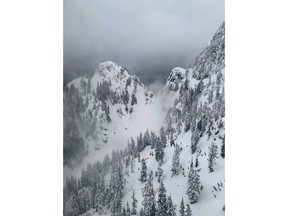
x=182, y=208
x=176, y=161
x=162, y=201
x=75, y=205
x=108, y=197
x=159, y=174
x=146, y=139
x=101, y=194
x=163, y=137
x=194, y=141
x=194, y=185
x=127, y=161
x=148, y=194
x=213, y=155
x=116, y=186
x=223, y=148
x=171, y=207
x=159, y=151
x=132, y=164
x=188, y=211
x=116, y=203
x=134, y=204
x=87, y=200
x=134, y=99
x=134, y=150
x=153, y=139
x=106, y=163
x=143, y=174
x=140, y=143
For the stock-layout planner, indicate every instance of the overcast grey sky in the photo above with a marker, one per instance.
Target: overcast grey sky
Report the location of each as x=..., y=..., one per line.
x=149, y=37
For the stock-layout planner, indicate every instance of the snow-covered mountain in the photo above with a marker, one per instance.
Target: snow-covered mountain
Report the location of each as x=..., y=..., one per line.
x=101, y=112
x=171, y=146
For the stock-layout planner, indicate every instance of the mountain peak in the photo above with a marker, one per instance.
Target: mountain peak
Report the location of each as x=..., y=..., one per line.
x=176, y=76
x=109, y=69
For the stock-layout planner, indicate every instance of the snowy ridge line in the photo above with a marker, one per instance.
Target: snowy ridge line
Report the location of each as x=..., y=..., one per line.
x=174, y=166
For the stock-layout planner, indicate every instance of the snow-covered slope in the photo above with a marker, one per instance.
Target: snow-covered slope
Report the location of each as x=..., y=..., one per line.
x=191, y=109
x=195, y=101
x=104, y=111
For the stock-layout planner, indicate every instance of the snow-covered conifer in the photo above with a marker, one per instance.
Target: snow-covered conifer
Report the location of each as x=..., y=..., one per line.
x=182, y=208
x=143, y=174
x=162, y=201
x=176, y=161
x=134, y=204
x=159, y=174
x=213, y=155
x=163, y=136
x=159, y=151
x=188, y=211
x=148, y=194
x=171, y=208
x=194, y=141
x=194, y=185
x=140, y=142
x=152, y=139
x=146, y=139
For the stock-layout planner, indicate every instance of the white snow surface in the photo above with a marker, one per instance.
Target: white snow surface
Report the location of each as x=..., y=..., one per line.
x=147, y=114
x=151, y=114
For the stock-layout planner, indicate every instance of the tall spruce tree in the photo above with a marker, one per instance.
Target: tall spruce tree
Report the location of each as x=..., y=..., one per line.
x=75, y=205
x=163, y=137
x=194, y=185
x=188, y=211
x=134, y=150
x=194, y=141
x=176, y=161
x=116, y=187
x=159, y=174
x=146, y=139
x=182, y=208
x=149, y=202
x=143, y=174
x=159, y=151
x=140, y=142
x=171, y=211
x=134, y=204
x=152, y=139
x=213, y=155
x=162, y=201
x=101, y=193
